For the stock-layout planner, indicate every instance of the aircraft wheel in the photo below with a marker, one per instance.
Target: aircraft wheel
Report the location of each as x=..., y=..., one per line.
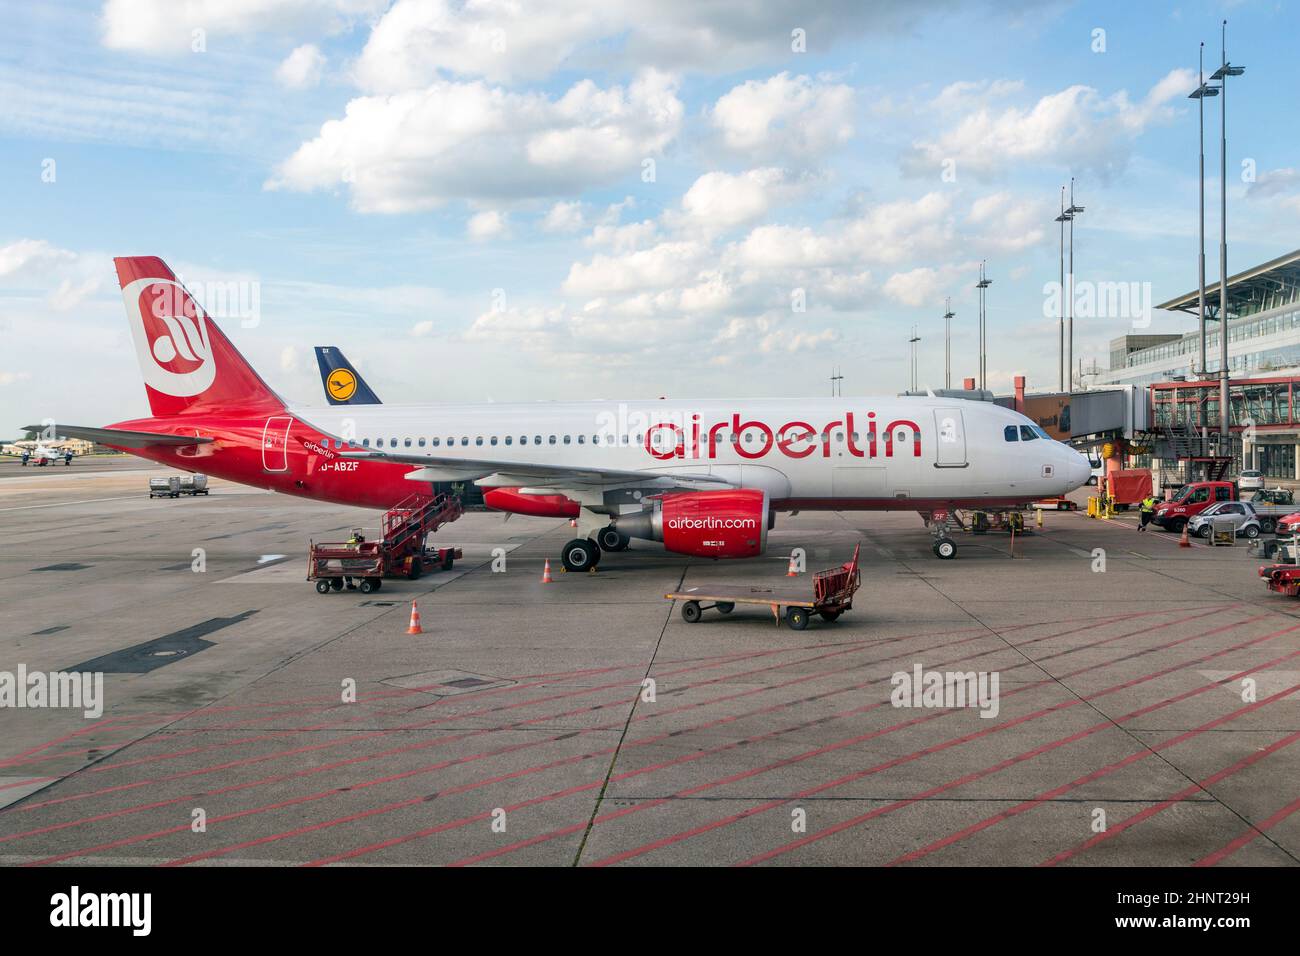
x=691, y=612
x=945, y=548
x=580, y=554
x=796, y=617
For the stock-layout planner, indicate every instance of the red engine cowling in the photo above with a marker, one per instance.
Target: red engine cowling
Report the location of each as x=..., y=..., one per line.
x=538, y=506
x=705, y=524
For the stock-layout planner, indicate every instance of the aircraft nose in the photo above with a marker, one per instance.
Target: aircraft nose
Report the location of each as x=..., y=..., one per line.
x=1079, y=470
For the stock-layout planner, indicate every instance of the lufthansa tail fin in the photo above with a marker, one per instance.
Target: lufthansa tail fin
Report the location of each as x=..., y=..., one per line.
x=343, y=383
x=188, y=364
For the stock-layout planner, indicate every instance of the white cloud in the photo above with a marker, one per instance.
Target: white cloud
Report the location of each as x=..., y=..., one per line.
x=422, y=329
x=415, y=150
x=1076, y=128
x=30, y=254
x=719, y=201
x=302, y=68
x=289, y=359
x=564, y=217
x=167, y=26
x=487, y=225
x=665, y=265
x=791, y=116
x=13, y=378
x=420, y=41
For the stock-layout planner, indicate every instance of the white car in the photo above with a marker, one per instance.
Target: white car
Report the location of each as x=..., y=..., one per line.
x=1250, y=480
x=1241, y=513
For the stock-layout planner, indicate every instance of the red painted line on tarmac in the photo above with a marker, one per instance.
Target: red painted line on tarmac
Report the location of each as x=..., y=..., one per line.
x=409, y=747
x=578, y=758
x=1200, y=786
x=806, y=755
x=1104, y=771
x=1257, y=830
x=778, y=666
x=849, y=778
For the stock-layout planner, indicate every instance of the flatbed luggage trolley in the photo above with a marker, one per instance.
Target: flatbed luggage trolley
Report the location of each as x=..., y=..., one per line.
x=833, y=591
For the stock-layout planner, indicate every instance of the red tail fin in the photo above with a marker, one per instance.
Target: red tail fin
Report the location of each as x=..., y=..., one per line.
x=187, y=363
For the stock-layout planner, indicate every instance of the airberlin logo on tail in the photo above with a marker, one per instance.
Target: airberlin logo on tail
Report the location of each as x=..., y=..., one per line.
x=171, y=337
x=755, y=439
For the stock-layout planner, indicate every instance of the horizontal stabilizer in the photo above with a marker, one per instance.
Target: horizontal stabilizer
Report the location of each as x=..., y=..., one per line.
x=117, y=437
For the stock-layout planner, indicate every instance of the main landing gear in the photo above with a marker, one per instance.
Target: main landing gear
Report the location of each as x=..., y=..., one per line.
x=583, y=554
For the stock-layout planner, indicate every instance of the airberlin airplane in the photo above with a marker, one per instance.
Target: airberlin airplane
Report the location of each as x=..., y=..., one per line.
x=705, y=478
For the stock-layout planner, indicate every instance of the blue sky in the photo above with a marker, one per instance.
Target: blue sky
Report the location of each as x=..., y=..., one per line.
x=456, y=195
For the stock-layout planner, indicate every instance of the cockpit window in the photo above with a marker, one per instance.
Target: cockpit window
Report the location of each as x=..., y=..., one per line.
x=1027, y=433
x=1011, y=433
x=1040, y=433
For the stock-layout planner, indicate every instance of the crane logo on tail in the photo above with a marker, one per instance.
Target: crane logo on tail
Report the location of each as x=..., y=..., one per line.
x=171, y=337
x=343, y=384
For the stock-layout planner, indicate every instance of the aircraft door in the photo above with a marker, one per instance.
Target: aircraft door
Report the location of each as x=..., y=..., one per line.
x=950, y=434
x=275, y=443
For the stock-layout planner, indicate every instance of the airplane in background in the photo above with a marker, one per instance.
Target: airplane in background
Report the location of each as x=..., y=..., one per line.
x=343, y=384
x=38, y=453
x=706, y=478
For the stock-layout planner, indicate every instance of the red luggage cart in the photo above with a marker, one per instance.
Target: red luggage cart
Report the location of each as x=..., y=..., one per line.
x=833, y=591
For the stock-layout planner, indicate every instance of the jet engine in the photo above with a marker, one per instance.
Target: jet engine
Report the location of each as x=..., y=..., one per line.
x=705, y=524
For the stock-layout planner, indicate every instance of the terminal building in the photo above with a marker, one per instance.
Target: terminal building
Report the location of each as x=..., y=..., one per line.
x=1263, y=364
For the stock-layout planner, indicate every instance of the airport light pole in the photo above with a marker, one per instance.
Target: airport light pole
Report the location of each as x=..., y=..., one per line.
x=912, y=342
x=948, y=313
x=1073, y=212
x=1221, y=74
x=983, y=284
x=1063, y=218
x=1199, y=94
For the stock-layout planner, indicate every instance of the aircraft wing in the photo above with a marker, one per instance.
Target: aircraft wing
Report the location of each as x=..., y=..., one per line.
x=496, y=473
x=118, y=437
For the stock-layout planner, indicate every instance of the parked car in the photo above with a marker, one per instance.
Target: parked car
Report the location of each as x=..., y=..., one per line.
x=1098, y=470
x=1250, y=480
x=1242, y=514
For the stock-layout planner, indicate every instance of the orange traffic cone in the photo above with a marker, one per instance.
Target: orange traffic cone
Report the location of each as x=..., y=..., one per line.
x=546, y=572
x=415, y=620
x=1184, y=541
x=792, y=573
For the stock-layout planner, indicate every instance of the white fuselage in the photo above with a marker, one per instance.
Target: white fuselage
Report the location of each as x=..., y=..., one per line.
x=903, y=453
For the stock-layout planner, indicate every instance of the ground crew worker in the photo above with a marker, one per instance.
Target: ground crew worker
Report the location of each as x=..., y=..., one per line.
x=1147, y=511
x=356, y=539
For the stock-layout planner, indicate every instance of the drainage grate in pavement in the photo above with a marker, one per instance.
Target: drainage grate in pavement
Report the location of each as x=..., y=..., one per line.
x=379, y=604
x=66, y=566
x=51, y=630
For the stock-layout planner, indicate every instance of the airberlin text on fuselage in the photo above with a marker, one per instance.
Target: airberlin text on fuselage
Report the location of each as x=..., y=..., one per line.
x=795, y=439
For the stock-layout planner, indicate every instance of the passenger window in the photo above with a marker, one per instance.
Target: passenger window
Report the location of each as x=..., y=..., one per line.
x=638, y=438
x=552, y=439
x=464, y=440
x=1027, y=433
x=566, y=439
x=493, y=439
x=365, y=442
x=625, y=439
x=537, y=439
x=407, y=442
x=421, y=442
x=582, y=439
x=1011, y=433
x=509, y=439
x=435, y=441
x=478, y=440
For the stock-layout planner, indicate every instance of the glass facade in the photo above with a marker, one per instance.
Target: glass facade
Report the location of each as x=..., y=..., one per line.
x=1276, y=461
